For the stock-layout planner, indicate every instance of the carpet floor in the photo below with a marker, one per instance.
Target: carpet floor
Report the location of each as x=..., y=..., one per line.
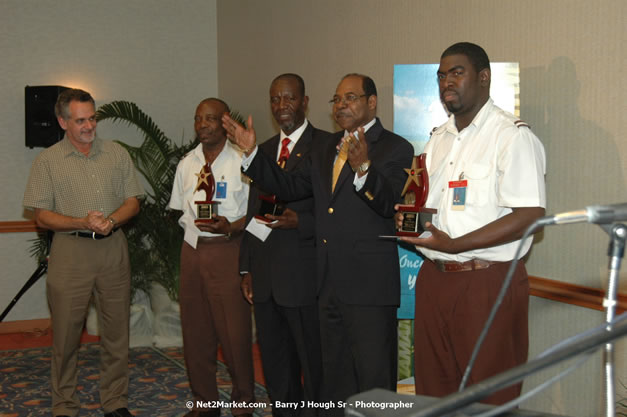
x=158, y=383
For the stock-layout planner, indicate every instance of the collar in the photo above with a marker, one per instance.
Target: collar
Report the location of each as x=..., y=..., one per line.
x=228, y=151
x=366, y=126
x=295, y=135
x=68, y=149
x=476, y=122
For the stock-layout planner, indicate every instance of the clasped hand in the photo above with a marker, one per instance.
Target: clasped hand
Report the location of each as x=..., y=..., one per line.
x=97, y=222
x=357, y=152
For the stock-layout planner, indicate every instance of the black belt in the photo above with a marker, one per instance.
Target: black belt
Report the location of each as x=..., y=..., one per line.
x=92, y=235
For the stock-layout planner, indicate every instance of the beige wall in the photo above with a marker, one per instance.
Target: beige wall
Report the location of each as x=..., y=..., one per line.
x=160, y=54
x=572, y=58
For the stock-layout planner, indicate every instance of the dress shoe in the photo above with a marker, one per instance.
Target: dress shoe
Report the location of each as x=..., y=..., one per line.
x=120, y=412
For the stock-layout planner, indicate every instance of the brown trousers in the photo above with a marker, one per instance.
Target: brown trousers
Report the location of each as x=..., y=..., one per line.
x=213, y=310
x=451, y=310
x=77, y=267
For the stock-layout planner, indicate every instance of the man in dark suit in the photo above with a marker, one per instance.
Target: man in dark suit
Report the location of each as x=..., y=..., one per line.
x=358, y=273
x=278, y=274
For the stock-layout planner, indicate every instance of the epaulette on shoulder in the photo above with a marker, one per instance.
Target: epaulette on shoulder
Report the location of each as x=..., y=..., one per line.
x=521, y=123
x=433, y=131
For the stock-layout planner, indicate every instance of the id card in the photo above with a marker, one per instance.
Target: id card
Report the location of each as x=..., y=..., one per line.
x=221, y=189
x=459, y=194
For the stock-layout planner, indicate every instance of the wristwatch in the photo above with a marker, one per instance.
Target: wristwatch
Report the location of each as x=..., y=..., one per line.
x=363, y=168
x=111, y=220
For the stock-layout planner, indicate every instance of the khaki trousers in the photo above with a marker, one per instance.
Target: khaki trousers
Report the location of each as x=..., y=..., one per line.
x=77, y=268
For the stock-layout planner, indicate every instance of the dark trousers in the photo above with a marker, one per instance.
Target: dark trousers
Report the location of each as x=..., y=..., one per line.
x=79, y=267
x=289, y=341
x=451, y=310
x=214, y=311
x=359, y=349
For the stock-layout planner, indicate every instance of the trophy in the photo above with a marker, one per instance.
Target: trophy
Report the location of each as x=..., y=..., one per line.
x=206, y=209
x=415, y=192
x=269, y=205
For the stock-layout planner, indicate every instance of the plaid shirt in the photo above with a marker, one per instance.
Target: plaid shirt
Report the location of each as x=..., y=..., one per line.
x=65, y=181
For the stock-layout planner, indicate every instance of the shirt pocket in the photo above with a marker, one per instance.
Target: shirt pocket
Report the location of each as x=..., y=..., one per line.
x=479, y=179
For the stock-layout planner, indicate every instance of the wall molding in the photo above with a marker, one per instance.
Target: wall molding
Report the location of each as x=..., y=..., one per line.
x=561, y=291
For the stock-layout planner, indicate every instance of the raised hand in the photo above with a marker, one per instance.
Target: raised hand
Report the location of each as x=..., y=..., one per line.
x=357, y=148
x=243, y=137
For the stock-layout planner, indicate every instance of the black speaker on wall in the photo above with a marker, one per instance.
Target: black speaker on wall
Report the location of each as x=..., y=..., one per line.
x=42, y=128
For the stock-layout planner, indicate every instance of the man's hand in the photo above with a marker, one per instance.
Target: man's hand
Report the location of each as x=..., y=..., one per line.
x=247, y=287
x=503, y=230
x=438, y=240
x=220, y=226
x=96, y=222
x=245, y=138
x=357, y=150
x=287, y=220
x=398, y=217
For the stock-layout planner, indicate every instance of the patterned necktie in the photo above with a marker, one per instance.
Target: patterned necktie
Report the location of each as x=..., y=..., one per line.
x=285, y=152
x=339, y=164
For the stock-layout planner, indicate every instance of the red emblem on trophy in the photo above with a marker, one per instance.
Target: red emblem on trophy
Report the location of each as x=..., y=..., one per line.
x=415, y=192
x=207, y=208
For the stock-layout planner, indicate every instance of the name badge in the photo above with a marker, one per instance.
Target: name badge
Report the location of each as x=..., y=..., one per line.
x=459, y=194
x=221, y=189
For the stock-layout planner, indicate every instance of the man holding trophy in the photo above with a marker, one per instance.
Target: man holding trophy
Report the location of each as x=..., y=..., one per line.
x=279, y=271
x=212, y=193
x=355, y=177
x=486, y=174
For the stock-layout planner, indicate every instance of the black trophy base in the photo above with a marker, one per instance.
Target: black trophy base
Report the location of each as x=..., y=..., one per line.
x=271, y=207
x=414, y=222
x=205, y=211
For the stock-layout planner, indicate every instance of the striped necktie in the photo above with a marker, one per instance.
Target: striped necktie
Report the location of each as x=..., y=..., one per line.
x=285, y=152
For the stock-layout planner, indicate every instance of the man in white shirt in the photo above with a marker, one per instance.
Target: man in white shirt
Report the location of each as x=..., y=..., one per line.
x=486, y=174
x=212, y=307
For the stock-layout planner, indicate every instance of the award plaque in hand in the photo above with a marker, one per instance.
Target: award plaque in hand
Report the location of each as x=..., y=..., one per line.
x=415, y=192
x=269, y=205
x=206, y=209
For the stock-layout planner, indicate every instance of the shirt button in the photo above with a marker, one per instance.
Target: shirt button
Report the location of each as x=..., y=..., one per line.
x=442, y=189
x=450, y=163
x=330, y=210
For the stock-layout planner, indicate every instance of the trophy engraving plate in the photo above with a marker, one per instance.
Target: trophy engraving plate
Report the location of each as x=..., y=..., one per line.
x=207, y=208
x=415, y=192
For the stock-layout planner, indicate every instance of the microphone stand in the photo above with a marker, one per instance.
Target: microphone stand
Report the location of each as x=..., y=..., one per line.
x=39, y=272
x=616, y=251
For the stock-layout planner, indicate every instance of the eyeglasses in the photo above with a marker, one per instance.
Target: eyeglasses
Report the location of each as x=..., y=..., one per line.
x=348, y=98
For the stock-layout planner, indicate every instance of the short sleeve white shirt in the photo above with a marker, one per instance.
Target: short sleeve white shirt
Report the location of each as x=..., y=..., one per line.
x=504, y=165
x=226, y=169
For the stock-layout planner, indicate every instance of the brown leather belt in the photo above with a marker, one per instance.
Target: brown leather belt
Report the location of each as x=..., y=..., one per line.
x=218, y=239
x=471, y=265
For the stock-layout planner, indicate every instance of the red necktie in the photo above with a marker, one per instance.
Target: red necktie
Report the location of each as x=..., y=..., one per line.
x=285, y=152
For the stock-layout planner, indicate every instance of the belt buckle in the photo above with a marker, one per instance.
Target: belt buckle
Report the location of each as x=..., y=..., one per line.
x=93, y=235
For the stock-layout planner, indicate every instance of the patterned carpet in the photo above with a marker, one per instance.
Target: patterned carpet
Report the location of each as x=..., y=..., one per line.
x=158, y=383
